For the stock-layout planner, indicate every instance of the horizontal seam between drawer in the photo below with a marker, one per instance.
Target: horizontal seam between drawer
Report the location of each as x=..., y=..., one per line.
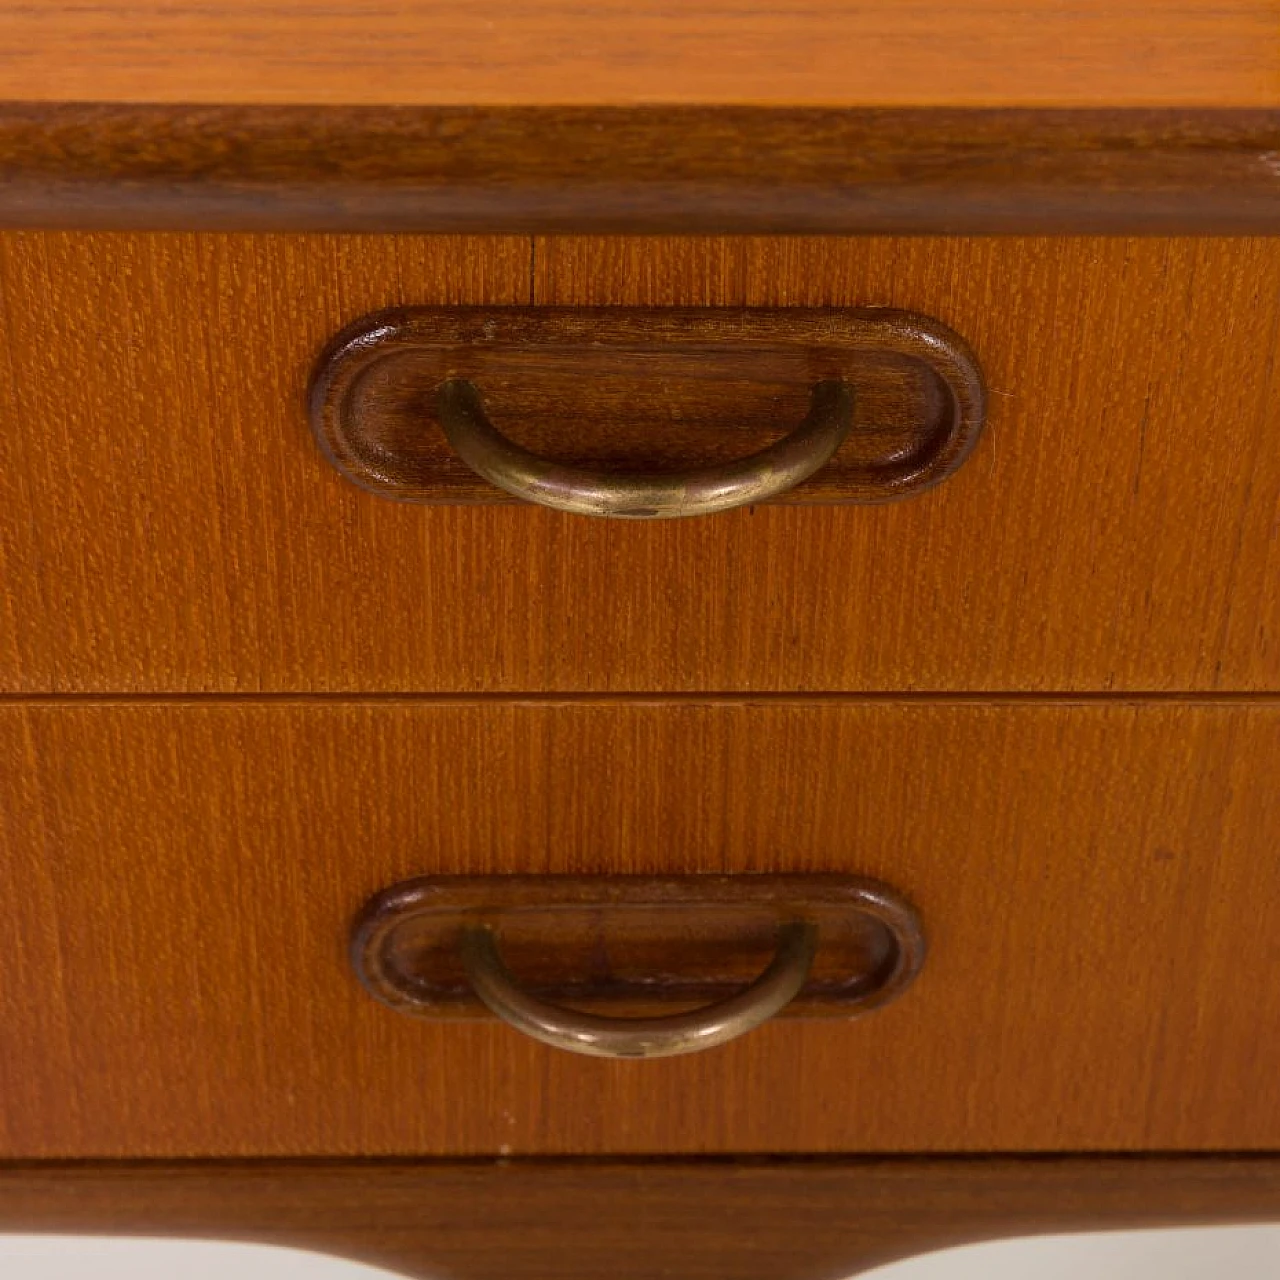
x=802, y=1160
x=700, y=698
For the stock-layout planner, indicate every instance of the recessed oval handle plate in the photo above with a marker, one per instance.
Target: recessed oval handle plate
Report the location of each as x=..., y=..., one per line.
x=642, y=396
x=618, y=948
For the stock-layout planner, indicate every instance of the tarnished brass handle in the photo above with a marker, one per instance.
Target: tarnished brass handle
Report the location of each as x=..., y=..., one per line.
x=662, y=1037
x=772, y=471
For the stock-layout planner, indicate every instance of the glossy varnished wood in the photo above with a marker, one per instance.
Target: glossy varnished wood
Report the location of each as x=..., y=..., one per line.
x=173, y=526
x=639, y=168
x=1097, y=881
x=986, y=52
x=526, y=1220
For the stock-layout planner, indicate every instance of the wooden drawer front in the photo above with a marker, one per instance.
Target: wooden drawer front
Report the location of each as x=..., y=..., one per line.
x=1098, y=883
x=172, y=526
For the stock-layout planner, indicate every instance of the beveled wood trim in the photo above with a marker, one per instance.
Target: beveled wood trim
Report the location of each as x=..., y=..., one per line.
x=632, y=1220
x=640, y=169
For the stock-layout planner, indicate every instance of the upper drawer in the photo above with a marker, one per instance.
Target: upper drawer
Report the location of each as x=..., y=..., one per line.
x=169, y=523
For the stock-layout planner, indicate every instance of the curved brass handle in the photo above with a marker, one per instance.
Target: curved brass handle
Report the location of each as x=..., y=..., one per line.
x=782, y=466
x=662, y=1037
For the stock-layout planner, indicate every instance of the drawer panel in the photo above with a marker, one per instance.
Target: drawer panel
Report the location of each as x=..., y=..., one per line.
x=171, y=525
x=1098, y=883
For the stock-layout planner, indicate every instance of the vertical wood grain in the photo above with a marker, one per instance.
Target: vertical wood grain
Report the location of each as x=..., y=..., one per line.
x=174, y=528
x=1098, y=884
x=1129, y=494
x=156, y=455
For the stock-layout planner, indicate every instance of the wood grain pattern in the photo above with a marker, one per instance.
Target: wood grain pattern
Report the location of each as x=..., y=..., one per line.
x=526, y=1220
x=641, y=168
x=1204, y=52
x=179, y=531
x=1098, y=883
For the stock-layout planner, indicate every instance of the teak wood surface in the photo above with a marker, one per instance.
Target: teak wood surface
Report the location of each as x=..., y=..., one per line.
x=1097, y=881
x=172, y=526
x=1096, y=872
x=822, y=52
x=709, y=1220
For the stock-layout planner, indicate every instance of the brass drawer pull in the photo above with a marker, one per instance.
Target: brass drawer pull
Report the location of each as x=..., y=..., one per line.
x=662, y=1037
x=646, y=413
x=763, y=475
x=635, y=967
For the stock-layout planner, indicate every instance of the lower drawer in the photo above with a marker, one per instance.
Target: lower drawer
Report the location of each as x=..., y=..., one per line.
x=1098, y=881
